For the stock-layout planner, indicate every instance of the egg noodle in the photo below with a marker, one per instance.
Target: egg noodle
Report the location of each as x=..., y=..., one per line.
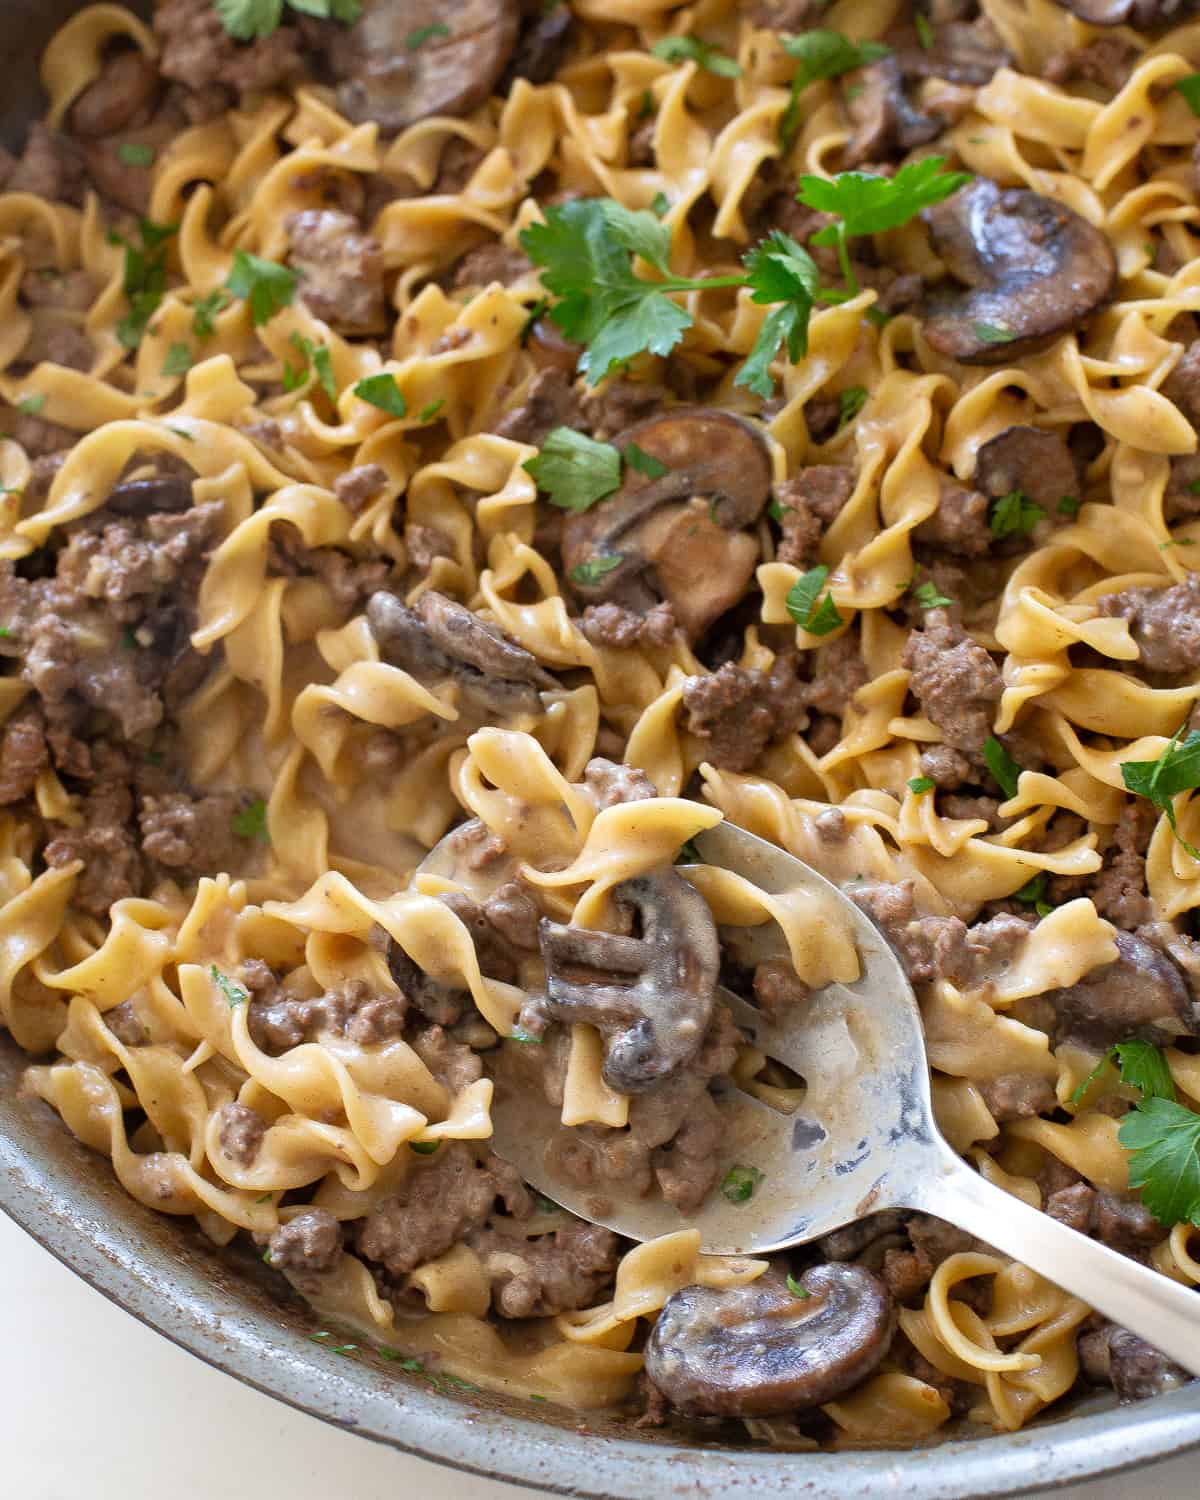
x=298, y=690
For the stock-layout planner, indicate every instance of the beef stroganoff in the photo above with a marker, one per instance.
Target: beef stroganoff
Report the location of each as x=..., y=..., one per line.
x=559, y=427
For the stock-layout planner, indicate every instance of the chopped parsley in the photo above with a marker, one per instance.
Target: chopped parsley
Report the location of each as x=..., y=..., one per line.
x=739, y=1183
x=689, y=854
x=818, y=618
x=5, y=632
x=423, y=1148
x=691, y=49
x=1002, y=766
x=645, y=463
x=178, y=360
x=1034, y=892
x=422, y=34
x=821, y=54
x=316, y=361
x=929, y=596
x=595, y=568
x=660, y=204
x=412, y=1366
x=1014, y=514
x=144, y=279
x=251, y=822
x=796, y=1289
x=383, y=392
x=920, y=784
x=266, y=285
x=135, y=154
x=1160, y=781
x=323, y=1338
x=527, y=1038
x=573, y=470
x=924, y=30
x=1189, y=87
x=29, y=406
x=233, y=992
x=994, y=333
x=247, y=19
x=850, y=402
x=205, y=309
x=1069, y=505
x=427, y=413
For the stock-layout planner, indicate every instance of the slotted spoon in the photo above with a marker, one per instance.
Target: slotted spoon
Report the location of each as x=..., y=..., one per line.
x=863, y=1139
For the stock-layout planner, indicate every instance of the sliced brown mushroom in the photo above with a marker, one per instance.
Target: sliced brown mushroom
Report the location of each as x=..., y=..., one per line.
x=651, y=996
x=1029, y=459
x=128, y=83
x=1140, y=994
x=408, y=59
x=440, y=638
x=146, y=497
x=967, y=52
x=884, y=119
x=1034, y=267
x=678, y=537
x=1141, y=13
x=759, y=1350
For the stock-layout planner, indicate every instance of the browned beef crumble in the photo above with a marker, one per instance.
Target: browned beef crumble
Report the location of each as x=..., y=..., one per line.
x=307, y=1247
x=955, y=681
x=548, y=1274
x=739, y=711
x=1164, y=623
x=808, y=504
x=341, y=269
x=240, y=1131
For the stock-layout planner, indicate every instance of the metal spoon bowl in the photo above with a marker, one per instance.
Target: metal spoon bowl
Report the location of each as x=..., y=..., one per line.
x=863, y=1138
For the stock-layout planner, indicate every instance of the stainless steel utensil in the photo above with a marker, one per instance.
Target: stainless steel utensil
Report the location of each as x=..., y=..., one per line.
x=863, y=1139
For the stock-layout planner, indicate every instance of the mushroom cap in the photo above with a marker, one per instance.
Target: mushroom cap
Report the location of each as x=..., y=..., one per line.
x=1034, y=267
x=653, y=996
x=390, y=81
x=702, y=566
x=882, y=114
x=758, y=1350
x=157, y=492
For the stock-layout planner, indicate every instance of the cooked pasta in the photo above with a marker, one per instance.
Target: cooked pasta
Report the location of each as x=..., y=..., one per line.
x=380, y=471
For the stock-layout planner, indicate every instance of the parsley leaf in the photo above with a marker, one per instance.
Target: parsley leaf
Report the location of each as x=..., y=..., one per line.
x=796, y=1289
x=29, y=406
x=659, y=205
x=1014, y=514
x=573, y=470
x=691, y=49
x=1189, y=87
x=251, y=822
x=1034, y=889
x=802, y=605
x=383, y=392
x=1176, y=770
x=1164, y=1139
x=689, y=854
x=145, y=278
x=178, y=360
x=1068, y=505
x=994, y=333
x=316, y=358
x=266, y=285
x=780, y=271
x=135, y=154
x=247, y=19
x=822, y=54
x=645, y=463
x=423, y=1148
x=205, y=309
x=427, y=413
x=739, y=1183
x=595, y=568
x=233, y=992
x=920, y=784
x=1144, y=1066
x=850, y=402
x=422, y=34
x=929, y=596
x=866, y=204
x=1001, y=764
x=924, y=30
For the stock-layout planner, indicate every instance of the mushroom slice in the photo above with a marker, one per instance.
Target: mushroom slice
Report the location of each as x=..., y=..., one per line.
x=146, y=497
x=408, y=59
x=651, y=996
x=701, y=564
x=440, y=638
x=757, y=1350
x=884, y=119
x=1035, y=269
x=1029, y=459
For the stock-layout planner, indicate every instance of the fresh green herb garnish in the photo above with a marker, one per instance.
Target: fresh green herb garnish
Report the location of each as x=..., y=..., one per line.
x=5, y=632
x=182, y=432
x=1034, y=892
x=266, y=285
x=1177, y=541
x=796, y=1289
x=595, y=568
x=247, y=19
x=422, y=34
x=178, y=360
x=660, y=204
x=924, y=30
x=1068, y=505
x=251, y=822
x=920, y=784
x=929, y=596
x=822, y=54
x=29, y=406
x=1001, y=764
x=264, y=1198
x=128, y=640
x=135, y=154
x=865, y=204
x=817, y=618
x=739, y=1183
x=994, y=333
x=322, y=1339
x=535, y=312
x=415, y=1367
x=783, y=272
x=527, y=1038
x=850, y=402
x=645, y=463
x=1164, y=1139
x=689, y=854
x=317, y=359
x=383, y=392
x=1014, y=514
x=691, y=49
x=427, y=413
x=423, y=1148
x=234, y=993
x=1176, y=770
x=205, y=309
x=646, y=106
x=1189, y=87
x=573, y=470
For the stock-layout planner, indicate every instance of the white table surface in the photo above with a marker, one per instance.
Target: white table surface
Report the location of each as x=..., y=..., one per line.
x=93, y=1404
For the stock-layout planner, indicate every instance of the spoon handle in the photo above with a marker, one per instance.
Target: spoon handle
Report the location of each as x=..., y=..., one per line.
x=1162, y=1311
